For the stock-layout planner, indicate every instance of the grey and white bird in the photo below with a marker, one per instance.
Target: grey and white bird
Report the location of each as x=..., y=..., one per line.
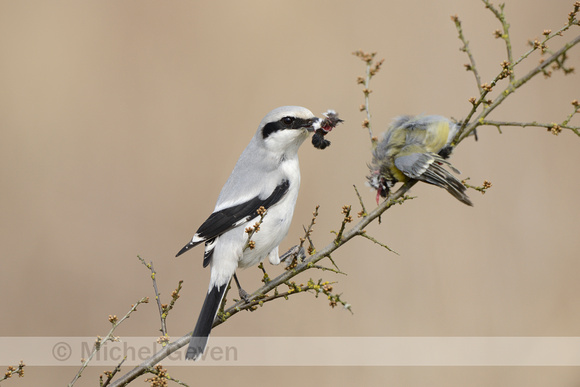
x=267, y=175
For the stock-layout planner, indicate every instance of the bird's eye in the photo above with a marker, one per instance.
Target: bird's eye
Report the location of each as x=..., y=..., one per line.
x=287, y=120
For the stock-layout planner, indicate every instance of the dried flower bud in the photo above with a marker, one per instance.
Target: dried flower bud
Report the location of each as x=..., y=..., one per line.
x=162, y=340
x=486, y=87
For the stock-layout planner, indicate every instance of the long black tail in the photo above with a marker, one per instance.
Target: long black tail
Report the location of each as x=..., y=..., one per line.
x=205, y=320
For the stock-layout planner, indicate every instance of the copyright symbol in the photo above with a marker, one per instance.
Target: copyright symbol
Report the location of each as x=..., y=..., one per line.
x=61, y=351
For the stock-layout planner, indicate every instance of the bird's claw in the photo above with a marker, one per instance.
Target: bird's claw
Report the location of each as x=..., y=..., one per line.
x=294, y=252
x=245, y=296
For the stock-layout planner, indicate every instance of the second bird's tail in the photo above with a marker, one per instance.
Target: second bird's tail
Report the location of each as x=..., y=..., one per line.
x=439, y=176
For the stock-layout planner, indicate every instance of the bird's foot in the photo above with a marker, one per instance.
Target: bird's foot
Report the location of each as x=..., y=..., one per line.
x=294, y=252
x=244, y=295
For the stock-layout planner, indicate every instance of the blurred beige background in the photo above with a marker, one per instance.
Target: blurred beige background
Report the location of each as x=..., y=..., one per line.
x=121, y=120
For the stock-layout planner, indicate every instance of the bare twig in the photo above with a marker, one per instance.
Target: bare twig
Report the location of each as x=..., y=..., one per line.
x=174, y=297
x=100, y=341
x=254, y=229
x=576, y=110
x=347, y=219
x=362, y=205
x=370, y=238
x=163, y=308
x=372, y=68
x=552, y=127
x=14, y=370
x=510, y=89
x=111, y=374
x=468, y=125
x=505, y=35
x=259, y=297
x=483, y=189
x=308, y=232
x=471, y=66
x=161, y=376
x=157, y=298
x=541, y=45
x=324, y=268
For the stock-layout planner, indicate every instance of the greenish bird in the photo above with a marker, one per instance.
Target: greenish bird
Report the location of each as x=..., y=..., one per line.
x=416, y=148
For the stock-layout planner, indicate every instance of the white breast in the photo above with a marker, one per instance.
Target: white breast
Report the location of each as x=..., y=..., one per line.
x=228, y=254
x=276, y=223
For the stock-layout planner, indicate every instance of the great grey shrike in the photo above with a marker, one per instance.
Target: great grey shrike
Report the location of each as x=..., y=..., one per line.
x=267, y=175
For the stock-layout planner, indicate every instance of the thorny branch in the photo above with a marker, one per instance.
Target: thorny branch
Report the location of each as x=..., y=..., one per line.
x=14, y=370
x=471, y=66
x=259, y=297
x=505, y=35
x=161, y=376
x=153, y=275
x=111, y=374
x=468, y=124
x=510, y=89
x=372, y=68
x=554, y=128
x=483, y=189
x=110, y=337
x=163, y=308
x=262, y=295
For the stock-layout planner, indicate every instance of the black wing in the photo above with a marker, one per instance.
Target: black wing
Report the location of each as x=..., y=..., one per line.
x=224, y=220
